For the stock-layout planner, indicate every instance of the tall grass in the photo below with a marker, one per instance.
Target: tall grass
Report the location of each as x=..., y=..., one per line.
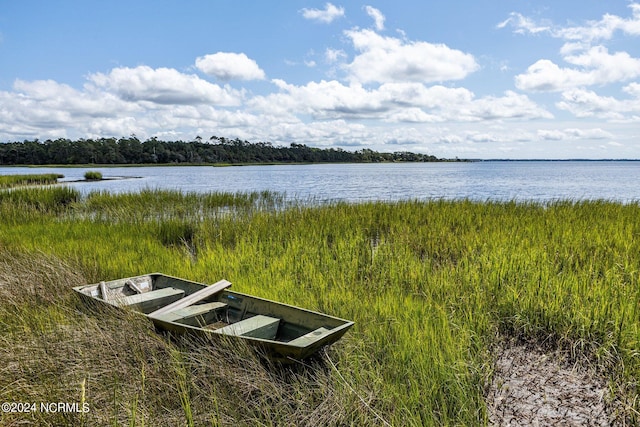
x=431, y=286
x=36, y=201
x=7, y=181
x=93, y=176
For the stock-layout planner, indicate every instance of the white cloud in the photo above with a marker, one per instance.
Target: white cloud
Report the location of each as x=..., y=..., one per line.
x=124, y=101
x=584, y=103
x=633, y=89
x=412, y=115
x=606, y=67
x=603, y=29
x=523, y=24
x=573, y=134
x=227, y=66
x=588, y=63
x=544, y=75
x=378, y=17
x=393, y=103
x=63, y=99
x=45, y=108
x=326, y=15
x=388, y=59
x=509, y=106
x=163, y=86
x=334, y=55
x=597, y=67
x=591, y=64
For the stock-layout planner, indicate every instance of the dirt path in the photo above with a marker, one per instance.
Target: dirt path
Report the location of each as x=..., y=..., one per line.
x=531, y=388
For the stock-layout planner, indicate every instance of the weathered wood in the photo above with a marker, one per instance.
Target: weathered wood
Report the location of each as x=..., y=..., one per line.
x=188, y=312
x=311, y=337
x=104, y=291
x=150, y=301
x=193, y=298
x=259, y=326
x=133, y=286
x=139, y=285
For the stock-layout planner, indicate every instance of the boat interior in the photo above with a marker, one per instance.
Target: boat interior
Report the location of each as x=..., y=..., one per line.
x=179, y=303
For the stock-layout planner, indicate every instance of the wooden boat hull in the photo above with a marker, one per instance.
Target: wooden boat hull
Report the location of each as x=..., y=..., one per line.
x=283, y=332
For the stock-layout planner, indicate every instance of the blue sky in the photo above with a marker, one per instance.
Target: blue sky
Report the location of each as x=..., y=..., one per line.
x=467, y=78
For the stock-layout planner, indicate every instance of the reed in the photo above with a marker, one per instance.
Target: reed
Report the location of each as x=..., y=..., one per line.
x=431, y=286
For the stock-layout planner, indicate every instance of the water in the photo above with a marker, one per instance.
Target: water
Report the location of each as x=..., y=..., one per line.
x=503, y=180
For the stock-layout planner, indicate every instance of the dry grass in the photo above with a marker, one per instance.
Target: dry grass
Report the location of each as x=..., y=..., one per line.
x=52, y=349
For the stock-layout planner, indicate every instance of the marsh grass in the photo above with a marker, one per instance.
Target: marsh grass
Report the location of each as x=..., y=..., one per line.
x=431, y=286
x=7, y=181
x=93, y=176
x=37, y=200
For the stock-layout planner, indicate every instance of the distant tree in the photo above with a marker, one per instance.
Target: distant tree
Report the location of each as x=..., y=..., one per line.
x=215, y=150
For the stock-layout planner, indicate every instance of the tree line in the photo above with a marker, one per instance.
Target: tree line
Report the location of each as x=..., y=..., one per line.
x=217, y=150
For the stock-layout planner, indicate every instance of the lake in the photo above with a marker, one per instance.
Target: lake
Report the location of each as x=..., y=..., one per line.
x=489, y=180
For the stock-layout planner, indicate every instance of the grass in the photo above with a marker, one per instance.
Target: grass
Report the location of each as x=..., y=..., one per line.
x=431, y=285
x=8, y=181
x=92, y=176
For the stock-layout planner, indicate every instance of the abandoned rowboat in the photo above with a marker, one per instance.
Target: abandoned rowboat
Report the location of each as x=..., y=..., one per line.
x=283, y=332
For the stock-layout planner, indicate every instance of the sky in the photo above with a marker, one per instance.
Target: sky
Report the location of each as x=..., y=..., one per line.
x=479, y=79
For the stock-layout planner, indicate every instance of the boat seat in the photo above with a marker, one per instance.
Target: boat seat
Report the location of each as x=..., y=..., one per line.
x=311, y=337
x=149, y=301
x=259, y=326
x=184, y=315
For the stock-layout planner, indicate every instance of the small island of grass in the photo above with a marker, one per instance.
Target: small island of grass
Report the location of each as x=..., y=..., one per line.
x=93, y=176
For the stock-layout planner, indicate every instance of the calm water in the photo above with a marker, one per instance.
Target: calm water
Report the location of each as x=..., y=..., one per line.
x=522, y=181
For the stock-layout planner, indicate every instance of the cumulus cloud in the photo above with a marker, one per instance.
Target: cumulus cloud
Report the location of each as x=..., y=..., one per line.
x=596, y=67
x=388, y=59
x=586, y=64
x=394, y=103
x=378, y=17
x=45, y=108
x=602, y=29
x=326, y=15
x=509, y=106
x=139, y=100
x=227, y=66
x=163, y=86
x=585, y=103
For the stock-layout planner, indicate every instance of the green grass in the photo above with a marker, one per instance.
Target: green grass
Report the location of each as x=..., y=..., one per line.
x=92, y=176
x=431, y=285
x=7, y=181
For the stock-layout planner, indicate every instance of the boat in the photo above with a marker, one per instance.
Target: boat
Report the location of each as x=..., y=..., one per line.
x=283, y=332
